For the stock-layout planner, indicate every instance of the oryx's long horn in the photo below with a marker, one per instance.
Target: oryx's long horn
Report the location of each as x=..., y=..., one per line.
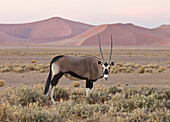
x=100, y=48
x=110, y=51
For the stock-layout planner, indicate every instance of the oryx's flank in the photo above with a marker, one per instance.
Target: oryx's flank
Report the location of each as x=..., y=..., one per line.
x=89, y=68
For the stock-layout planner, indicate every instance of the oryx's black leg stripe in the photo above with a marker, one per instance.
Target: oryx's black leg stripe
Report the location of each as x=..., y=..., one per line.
x=56, y=78
x=106, y=71
x=106, y=64
x=89, y=84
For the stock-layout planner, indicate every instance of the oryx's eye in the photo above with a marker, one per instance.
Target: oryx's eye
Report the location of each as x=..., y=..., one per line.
x=112, y=63
x=99, y=62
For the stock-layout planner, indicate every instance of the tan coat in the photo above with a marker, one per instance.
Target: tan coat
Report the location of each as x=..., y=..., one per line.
x=84, y=66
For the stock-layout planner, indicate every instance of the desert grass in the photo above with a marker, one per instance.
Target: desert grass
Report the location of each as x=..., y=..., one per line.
x=85, y=51
x=138, y=68
x=23, y=67
x=120, y=104
x=128, y=67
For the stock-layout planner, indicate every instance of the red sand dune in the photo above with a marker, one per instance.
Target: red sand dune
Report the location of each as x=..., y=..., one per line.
x=163, y=30
x=61, y=32
x=42, y=31
x=123, y=34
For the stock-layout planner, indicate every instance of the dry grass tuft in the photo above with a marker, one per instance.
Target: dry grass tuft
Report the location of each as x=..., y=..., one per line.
x=149, y=70
x=76, y=83
x=168, y=62
x=33, y=61
x=18, y=70
x=161, y=69
x=141, y=70
x=5, y=70
x=2, y=83
x=155, y=66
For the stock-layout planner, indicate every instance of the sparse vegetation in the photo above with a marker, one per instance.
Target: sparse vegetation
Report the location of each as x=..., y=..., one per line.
x=21, y=67
x=126, y=104
x=131, y=67
x=75, y=51
x=24, y=103
x=117, y=68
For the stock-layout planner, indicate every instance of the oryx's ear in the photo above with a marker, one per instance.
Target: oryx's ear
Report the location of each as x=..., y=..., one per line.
x=112, y=63
x=99, y=62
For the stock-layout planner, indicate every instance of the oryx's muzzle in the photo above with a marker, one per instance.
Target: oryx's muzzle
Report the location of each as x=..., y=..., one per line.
x=105, y=76
x=105, y=73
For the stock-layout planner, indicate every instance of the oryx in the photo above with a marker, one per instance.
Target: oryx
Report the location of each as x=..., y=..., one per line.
x=89, y=68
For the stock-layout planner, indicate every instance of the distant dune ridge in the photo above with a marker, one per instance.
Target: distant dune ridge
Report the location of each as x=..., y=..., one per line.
x=61, y=32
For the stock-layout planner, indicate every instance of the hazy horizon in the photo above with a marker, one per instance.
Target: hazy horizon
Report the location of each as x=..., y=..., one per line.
x=145, y=13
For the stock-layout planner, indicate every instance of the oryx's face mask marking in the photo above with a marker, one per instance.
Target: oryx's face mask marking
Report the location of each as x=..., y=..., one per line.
x=106, y=70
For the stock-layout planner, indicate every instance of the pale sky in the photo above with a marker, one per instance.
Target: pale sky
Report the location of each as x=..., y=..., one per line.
x=146, y=13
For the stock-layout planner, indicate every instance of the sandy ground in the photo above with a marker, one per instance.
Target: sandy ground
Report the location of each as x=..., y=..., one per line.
x=159, y=57
x=132, y=79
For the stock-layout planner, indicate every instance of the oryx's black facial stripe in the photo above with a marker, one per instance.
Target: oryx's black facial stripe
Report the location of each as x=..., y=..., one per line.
x=106, y=72
x=105, y=64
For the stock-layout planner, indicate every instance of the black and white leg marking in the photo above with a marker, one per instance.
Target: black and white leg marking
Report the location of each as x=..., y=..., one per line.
x=48, y=90
x=52, y=95
x=56, y=75
x=89, y=86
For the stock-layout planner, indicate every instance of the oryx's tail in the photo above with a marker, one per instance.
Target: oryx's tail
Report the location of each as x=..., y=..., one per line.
x=48, y=82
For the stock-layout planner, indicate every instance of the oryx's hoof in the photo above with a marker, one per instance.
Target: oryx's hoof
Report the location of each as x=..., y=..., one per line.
x=53, y=102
